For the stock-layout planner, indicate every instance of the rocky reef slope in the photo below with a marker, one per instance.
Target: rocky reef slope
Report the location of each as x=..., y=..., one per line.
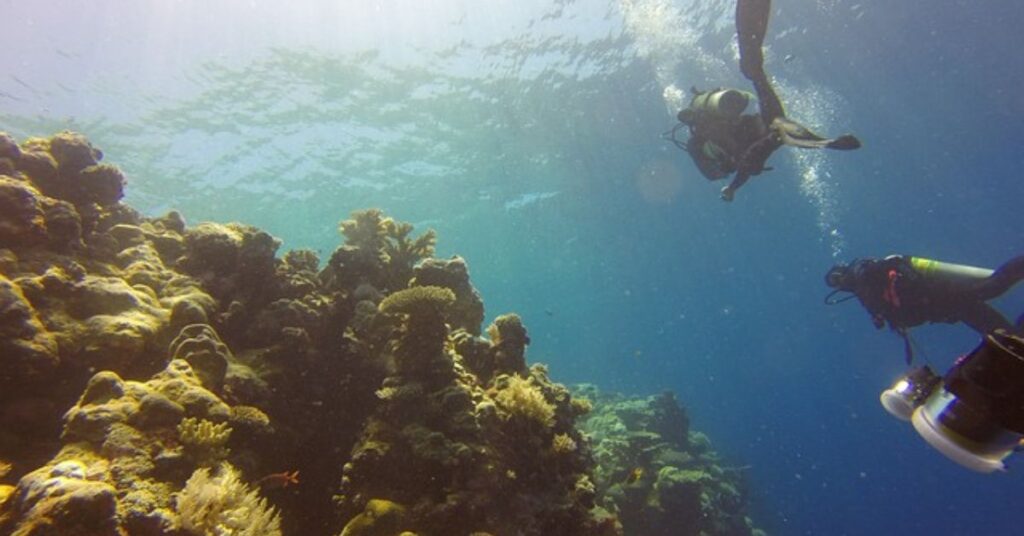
x=161, y=378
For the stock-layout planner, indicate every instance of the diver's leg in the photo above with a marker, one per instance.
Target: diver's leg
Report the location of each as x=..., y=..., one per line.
x=981, y=317
x=796, y=135
x=1006, y=276
x=751, y=24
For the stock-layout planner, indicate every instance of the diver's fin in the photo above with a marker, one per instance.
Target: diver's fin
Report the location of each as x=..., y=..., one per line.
x=796, y=135
x=846, y=142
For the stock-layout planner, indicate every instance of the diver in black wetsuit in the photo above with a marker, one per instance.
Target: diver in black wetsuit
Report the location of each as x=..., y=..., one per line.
x=905, y=292
x=723, y=140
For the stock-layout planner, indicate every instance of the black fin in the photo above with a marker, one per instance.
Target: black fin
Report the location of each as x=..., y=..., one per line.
x=846, y=142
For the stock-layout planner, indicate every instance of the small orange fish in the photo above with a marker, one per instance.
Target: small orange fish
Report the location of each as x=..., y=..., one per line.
x=279, y=480
x=636, y=474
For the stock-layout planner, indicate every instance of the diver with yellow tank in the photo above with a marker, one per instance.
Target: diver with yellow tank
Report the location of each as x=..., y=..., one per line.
x=723, y=140
x=905, y=291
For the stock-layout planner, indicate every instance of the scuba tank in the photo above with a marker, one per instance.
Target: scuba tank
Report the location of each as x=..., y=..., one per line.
x=726, y=103
x=957, y=276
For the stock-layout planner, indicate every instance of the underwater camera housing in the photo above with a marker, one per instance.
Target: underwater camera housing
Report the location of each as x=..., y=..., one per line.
x=975, y=414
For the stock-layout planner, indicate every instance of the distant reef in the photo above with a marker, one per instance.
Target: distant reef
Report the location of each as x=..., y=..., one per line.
x=161, y=378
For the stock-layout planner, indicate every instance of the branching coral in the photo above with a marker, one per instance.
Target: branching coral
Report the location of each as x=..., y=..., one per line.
x=403, y=252
x=378, y=250
x=203, y=440
x=365, y=229
x=224, y=505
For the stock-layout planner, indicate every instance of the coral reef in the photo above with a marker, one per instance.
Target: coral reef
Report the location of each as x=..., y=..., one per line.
x=159, y=378
x=656, y=475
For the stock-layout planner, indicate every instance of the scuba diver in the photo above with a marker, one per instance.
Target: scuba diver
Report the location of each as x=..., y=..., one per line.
x=723, y=140
x=905, y=292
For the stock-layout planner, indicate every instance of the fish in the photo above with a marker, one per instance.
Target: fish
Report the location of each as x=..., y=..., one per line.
x=635, y=475
x=279, y=480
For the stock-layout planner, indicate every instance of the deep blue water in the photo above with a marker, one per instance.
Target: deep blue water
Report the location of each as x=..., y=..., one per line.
x=527, y=134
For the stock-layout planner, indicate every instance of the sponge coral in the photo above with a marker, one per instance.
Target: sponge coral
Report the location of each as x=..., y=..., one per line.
x=224, y=505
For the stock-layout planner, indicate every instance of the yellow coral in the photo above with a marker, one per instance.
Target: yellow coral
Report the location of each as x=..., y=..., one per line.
x=203, y=440
x=380, y=517
x=521, y=399
x=563, y=444
x=6, y=490
x=581, y=406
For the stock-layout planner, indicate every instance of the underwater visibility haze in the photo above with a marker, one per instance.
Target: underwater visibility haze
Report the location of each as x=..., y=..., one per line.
x=529, y=135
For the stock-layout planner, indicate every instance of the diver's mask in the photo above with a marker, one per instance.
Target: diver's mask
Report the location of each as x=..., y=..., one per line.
x=837, y=275
x=975, y=414
x=842, y=278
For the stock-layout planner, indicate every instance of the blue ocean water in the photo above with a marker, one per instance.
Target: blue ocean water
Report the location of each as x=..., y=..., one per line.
x=527, y=134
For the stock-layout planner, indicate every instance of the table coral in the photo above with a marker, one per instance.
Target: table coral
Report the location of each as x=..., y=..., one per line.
x=468, y=310
x=420, y=346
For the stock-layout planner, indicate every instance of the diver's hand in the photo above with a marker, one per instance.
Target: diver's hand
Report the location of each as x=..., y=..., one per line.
x=727, y=194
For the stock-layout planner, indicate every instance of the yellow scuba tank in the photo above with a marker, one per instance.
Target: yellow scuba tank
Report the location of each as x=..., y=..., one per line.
x=948, y=273
x=727, y=103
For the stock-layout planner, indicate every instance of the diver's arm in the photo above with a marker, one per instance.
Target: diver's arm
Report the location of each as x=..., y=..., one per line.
x=738, y=181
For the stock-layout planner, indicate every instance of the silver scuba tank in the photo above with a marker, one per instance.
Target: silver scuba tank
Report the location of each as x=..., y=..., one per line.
x=721, y=102
x=945, y=273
